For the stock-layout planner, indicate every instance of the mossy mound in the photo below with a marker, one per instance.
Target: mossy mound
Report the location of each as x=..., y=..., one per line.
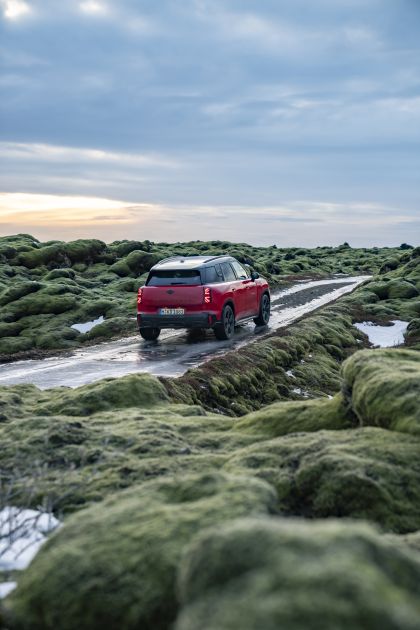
x=401, y=289
x=134, y=390
x=292, y=417
x=114, y=434
x=365, y=473
x=383, y=388
x=306, y=357
x=380, y=388
x=14, y=345
x=61, y=254
x=273, y=573
x=18, y=291
x=394, y=289
x=412, y=336
x=114, y=565
x=112, y=327
x=43, y=302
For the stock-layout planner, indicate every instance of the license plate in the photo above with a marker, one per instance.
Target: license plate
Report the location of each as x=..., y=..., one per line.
x=172, y=311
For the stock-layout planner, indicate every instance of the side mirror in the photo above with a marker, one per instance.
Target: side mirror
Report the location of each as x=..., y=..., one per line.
x=254, y=275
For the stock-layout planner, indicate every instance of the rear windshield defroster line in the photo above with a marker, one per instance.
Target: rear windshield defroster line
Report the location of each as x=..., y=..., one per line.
x=179, y=277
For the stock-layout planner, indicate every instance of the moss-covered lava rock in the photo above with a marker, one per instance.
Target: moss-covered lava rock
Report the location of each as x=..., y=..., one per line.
x=274, y=573
x=114, y=565
x=365, y=473
x=383, y=388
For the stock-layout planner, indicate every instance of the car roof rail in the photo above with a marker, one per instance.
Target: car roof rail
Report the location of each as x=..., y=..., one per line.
x=194, y=256
x=164, y=260
x=217, y=257
x=179, y=257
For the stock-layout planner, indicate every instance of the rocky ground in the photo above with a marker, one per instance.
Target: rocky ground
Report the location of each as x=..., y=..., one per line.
x=276, y=486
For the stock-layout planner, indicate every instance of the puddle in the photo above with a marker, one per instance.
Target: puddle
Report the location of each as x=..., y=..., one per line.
x=384, y=336
x=87, y=326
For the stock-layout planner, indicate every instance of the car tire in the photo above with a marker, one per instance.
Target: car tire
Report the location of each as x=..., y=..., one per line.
x=265, y=311
x=149, y=334
x=226, y=328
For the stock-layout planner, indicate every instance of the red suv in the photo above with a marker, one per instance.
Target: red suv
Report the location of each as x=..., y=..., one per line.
x=201, y=292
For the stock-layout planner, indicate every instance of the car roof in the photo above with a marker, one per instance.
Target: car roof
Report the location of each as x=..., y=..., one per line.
x=190, y=262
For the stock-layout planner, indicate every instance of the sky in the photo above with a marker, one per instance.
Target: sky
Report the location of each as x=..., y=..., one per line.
x=295, y=123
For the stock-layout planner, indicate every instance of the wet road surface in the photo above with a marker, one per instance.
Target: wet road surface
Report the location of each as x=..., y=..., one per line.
x=176, y=351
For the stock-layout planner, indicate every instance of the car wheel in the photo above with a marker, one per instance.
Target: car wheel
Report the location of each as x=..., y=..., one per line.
x=149, y=334
x=265, y=311
x=226, y=328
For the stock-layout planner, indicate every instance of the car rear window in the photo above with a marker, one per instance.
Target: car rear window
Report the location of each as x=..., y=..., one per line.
x=184, y=277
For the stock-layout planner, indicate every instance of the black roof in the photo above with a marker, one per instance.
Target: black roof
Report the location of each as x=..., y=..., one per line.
x=190, y=262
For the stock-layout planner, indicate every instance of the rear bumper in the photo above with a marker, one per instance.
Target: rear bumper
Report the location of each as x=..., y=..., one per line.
x=194, y=320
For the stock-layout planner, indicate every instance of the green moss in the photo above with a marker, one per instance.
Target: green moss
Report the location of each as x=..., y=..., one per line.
x=120, y=447
x=291, y=417
x=120, y=268
x=63, y=254
x=413, y=332
x=257, y=374
x=43, y=256
x=293, y=574
x=112, y=327
x=19, y=290
x=389, y=265
x=135, y=390
x=86, y=251
x=61, y=339
x=398, y=289
x=380, y=289
x=115, y=564
x=366, y=473
x=383, y=388
x=139, y=261
x=40, y=303
x=60, y=273
x=13, y=345
x=10, y=330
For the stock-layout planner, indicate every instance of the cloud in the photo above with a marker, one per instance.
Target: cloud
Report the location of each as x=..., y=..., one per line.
x=91, y=7
x=220, y=105
x=250, y=28
x=52, y=153
x=297, y=223
x=15, y=9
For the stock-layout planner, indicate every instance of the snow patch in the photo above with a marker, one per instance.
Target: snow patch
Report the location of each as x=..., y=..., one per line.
x=384, y=336
x=300, y=392
x=22, y=533
x=87, y=326
x=6, y=588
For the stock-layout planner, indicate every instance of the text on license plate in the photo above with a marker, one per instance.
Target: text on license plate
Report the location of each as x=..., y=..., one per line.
x=172, y=311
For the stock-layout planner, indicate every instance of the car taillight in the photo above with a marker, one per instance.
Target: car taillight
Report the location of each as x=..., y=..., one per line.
x=207, y=295
x=139, y=296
